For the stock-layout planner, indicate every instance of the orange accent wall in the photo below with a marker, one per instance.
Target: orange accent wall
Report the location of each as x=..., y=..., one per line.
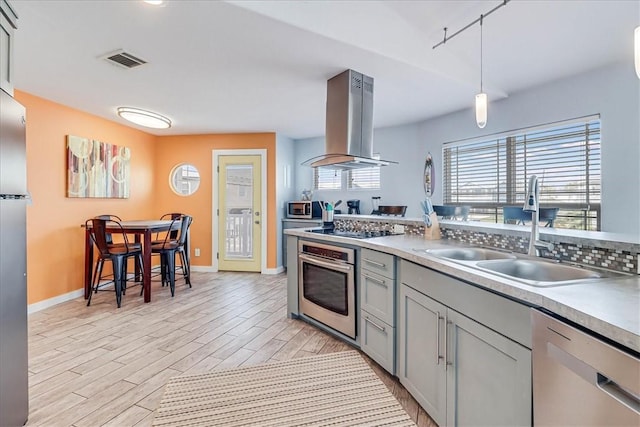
x=198, y=150
x=55, y=241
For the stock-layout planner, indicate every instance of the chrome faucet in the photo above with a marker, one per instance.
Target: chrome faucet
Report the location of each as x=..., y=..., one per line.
x=531, y=204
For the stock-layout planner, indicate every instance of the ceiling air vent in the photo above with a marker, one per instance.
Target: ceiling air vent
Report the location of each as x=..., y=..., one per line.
x=123, y=59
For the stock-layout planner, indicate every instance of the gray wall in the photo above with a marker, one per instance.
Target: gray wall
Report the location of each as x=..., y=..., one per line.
x=613, y=92
x=285, y=179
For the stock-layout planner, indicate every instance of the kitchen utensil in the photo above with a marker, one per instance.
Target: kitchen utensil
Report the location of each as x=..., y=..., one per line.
x=336, y=204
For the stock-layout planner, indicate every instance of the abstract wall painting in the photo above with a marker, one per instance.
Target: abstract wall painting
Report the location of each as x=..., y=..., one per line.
x=97, y=169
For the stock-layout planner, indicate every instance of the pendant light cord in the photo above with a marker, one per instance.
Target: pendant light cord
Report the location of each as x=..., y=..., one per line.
x=481, y=18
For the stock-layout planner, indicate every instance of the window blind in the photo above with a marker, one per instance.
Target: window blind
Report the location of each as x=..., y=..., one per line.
x=327, y=179
x=494, y=172
x=365, y=178
x=356, y=179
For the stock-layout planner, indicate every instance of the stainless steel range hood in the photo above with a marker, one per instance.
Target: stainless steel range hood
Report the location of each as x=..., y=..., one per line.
x=349, y=124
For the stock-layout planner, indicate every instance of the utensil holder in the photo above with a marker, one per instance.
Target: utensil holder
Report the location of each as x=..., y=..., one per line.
x=432, y=232
x=327, y=216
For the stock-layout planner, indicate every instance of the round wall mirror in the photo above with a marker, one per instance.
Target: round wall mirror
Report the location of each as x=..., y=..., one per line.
x=184, y=179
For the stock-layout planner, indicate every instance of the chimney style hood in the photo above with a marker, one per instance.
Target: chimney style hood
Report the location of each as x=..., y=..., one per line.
x=349, y=124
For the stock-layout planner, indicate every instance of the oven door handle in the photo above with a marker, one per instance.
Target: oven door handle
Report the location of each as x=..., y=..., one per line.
x=332, y=265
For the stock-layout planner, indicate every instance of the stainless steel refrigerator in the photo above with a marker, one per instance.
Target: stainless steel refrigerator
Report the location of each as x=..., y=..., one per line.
x=14, y=394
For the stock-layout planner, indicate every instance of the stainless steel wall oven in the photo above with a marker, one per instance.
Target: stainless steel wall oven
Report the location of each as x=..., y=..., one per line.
x=327, y=285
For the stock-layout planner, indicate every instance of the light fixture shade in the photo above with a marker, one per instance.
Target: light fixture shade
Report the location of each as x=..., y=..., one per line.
x=144, y=118
x=481, y=110
x=636, y=43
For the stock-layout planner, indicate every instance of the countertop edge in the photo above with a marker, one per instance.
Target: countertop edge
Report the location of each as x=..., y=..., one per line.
x=571, y=302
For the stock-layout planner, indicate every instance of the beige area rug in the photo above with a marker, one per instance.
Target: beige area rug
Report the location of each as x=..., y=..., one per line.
x=337, y=389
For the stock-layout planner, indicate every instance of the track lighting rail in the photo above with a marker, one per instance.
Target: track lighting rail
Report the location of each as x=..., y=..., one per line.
x=446, y=39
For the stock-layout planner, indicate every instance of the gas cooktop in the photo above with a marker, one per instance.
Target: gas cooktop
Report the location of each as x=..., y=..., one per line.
x=354, y=234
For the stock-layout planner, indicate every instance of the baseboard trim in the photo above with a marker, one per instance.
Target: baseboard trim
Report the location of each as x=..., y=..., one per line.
x=276, y=270
x=204, y=268
x=41, y=305
x=211, y=269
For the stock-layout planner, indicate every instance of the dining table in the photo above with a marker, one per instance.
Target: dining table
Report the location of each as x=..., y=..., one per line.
x=142, y=230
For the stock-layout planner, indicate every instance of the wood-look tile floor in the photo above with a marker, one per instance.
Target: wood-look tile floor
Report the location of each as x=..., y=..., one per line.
x=99, y=365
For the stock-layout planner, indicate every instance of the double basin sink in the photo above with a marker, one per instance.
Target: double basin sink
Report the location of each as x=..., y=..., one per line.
x=529, y=270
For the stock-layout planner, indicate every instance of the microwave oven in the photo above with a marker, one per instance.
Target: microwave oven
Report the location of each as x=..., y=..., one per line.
x=304, y=209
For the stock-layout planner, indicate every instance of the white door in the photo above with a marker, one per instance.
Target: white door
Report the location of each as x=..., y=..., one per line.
x=239, y=212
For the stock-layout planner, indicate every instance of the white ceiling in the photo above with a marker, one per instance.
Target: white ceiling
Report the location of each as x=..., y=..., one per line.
x=262, y=66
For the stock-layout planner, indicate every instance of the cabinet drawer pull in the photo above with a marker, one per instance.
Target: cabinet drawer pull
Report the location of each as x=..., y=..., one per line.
x=374, y=279
x=374, y=324
x=376, y=263
x=438, y=357
x=447, y=322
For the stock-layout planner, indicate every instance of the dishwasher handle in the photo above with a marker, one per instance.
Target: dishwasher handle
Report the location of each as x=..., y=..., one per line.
x=592, y=376
x=614, y=390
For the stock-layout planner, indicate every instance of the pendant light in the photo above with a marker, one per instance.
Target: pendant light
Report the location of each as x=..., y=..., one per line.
x=636, y=42
x=481, y=98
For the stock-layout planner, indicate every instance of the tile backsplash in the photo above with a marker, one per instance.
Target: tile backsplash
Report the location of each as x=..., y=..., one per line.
x=588, y=255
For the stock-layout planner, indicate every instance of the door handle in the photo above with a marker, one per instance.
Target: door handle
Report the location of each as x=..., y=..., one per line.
x=346, y=268
x=447, y=322
x=438, y=357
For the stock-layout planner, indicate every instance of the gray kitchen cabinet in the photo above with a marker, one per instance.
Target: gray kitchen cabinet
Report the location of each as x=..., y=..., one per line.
x=420, y=356
x=295, y=223
x=377, y=307
x=461, y=371
x=292, y=275
x=378, y=284
x=377, y=339
x=8, y=26
x=488, y=376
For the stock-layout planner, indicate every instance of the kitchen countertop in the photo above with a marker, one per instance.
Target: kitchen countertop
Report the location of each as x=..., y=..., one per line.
x=609, y=307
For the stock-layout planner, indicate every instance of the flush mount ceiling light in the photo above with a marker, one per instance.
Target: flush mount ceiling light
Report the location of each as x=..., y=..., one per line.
x=154, y=2
x=481, y=98
x=636, y=43
x=144, y=118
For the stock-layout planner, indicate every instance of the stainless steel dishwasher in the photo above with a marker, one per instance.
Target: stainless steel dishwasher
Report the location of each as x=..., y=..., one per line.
x=579, y=379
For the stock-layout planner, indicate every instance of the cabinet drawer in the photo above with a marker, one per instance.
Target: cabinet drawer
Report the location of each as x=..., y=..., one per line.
x=378, y=262
x=377, y=296
x=377, y=340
